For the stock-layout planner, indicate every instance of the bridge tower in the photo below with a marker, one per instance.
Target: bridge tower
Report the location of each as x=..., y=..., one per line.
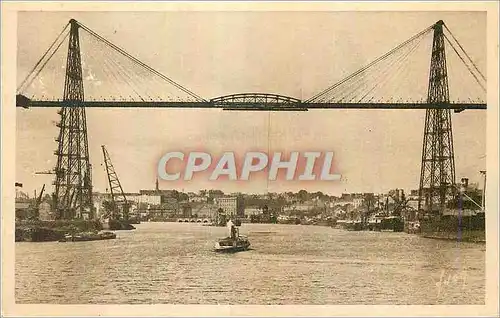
x=437, y=175
x=73, y=182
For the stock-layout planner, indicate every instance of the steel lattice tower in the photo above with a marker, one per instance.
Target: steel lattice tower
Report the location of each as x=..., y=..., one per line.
x=117, y=195
x=437, y=176
x=73, y=184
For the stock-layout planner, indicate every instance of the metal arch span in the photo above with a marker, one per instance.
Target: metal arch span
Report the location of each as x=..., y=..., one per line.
x=257, y=101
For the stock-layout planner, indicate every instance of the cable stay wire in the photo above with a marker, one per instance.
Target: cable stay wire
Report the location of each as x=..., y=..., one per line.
x=108, y=69
x=349, y=87
x=399, y=63
x=122, y=72
x=24, y=84
x=359, y=74
x=418, y=87
x=466, y=65
x=382, y=77
x=370, y=79
x=133, y=80
x=111, y=68
x=43, y=66
x=415, y=88
x=110, y=75
x=386, y=77
x=459, y=78
x=144, y=87
x=465, y=52
x=143, y=65
x=381, y=58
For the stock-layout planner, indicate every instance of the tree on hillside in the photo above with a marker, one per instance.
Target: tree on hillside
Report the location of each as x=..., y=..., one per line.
x=215, y=193
x=303, y=195
x=182, y=197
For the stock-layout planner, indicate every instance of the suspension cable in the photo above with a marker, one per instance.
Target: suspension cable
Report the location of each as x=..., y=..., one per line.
x=425, y=31
x=138, y=62
x=41, y=59
x=463, y=50
x=466, y=65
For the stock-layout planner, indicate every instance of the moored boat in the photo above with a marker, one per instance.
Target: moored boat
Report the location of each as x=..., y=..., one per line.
x=392, y=224
x=117, y=224
x=88, y=236
x=353, y=225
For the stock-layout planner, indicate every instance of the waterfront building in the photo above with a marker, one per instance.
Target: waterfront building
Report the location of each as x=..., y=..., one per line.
x=152, y=199
x=232, y=206
x=252, y=210
x=133, y=197
x=198, y=199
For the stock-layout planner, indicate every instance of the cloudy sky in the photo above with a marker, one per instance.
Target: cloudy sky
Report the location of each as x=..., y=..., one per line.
x=296, y=54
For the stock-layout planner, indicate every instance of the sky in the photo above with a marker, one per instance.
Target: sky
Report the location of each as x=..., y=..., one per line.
x=295, y=54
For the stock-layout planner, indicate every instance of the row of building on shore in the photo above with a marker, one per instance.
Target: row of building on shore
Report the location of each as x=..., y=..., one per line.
x=162, y=205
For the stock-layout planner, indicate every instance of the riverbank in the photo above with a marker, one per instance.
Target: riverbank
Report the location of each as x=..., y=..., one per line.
x=454, y=228
x=116, y=225
x=46, y=231
x=460, y=236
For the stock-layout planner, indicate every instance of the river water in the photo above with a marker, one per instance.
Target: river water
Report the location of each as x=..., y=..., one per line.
x=173, y=263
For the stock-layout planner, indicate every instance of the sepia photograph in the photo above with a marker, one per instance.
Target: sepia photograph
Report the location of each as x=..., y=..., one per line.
x=239, y=157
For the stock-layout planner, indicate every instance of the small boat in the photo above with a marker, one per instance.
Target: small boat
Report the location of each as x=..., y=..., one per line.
x=88, y=236
x=353, y=225
x=392, y=224
x=233, y=243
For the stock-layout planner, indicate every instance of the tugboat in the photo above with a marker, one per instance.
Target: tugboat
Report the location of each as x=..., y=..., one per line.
x=233, y=243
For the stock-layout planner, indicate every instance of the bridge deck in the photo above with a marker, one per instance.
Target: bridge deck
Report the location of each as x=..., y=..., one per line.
x=247, y=106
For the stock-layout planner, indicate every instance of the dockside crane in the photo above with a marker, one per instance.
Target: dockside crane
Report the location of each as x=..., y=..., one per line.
x=118, y=197
x=37, y=203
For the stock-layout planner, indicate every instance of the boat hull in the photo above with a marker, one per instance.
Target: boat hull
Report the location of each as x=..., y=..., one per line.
x=231, y=249
x=84, y=237
x=228, y=245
